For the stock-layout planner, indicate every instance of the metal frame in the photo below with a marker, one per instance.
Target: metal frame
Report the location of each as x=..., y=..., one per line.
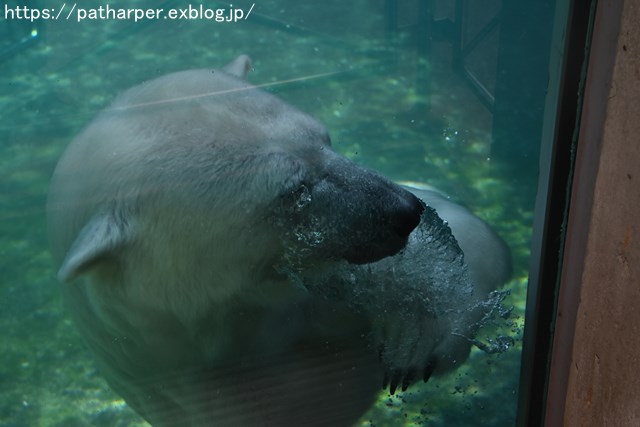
x=560, y=138
x=463, y=48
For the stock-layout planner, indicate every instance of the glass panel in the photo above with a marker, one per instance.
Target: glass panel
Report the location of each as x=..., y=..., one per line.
x=311, y=303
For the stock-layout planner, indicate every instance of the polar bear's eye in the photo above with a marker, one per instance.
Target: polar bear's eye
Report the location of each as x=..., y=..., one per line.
x=326, y=139
x=301, y=197
x=297, y=197
x=289, y=206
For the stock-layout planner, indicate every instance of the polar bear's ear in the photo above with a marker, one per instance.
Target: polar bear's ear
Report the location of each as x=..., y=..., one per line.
x=239, y=67
x=100, y=238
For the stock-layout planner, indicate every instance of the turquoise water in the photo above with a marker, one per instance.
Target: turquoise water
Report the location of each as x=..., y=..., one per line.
x=389, y=103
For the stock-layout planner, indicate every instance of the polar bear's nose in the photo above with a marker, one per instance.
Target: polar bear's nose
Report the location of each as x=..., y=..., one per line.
x=400, y=212
x=406, y=215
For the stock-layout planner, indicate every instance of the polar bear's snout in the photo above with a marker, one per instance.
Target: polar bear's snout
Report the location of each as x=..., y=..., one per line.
x=351, y=213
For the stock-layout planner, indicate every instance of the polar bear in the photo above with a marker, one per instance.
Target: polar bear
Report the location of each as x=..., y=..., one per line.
x=199, y=225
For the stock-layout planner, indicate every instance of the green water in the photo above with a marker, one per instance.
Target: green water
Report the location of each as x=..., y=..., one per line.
x=390, y=103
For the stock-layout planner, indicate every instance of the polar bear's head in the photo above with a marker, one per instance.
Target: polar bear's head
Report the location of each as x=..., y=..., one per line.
x=198, y=179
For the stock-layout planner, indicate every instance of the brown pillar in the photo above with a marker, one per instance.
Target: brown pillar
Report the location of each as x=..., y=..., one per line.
x=595, y=371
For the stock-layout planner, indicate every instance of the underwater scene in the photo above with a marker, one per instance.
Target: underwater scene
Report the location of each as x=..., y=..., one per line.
x=416, y=91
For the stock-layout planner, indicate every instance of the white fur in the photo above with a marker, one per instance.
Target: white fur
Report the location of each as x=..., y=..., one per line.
x=170, y=217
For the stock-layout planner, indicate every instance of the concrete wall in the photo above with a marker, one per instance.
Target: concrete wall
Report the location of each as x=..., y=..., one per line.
x=602, y=279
